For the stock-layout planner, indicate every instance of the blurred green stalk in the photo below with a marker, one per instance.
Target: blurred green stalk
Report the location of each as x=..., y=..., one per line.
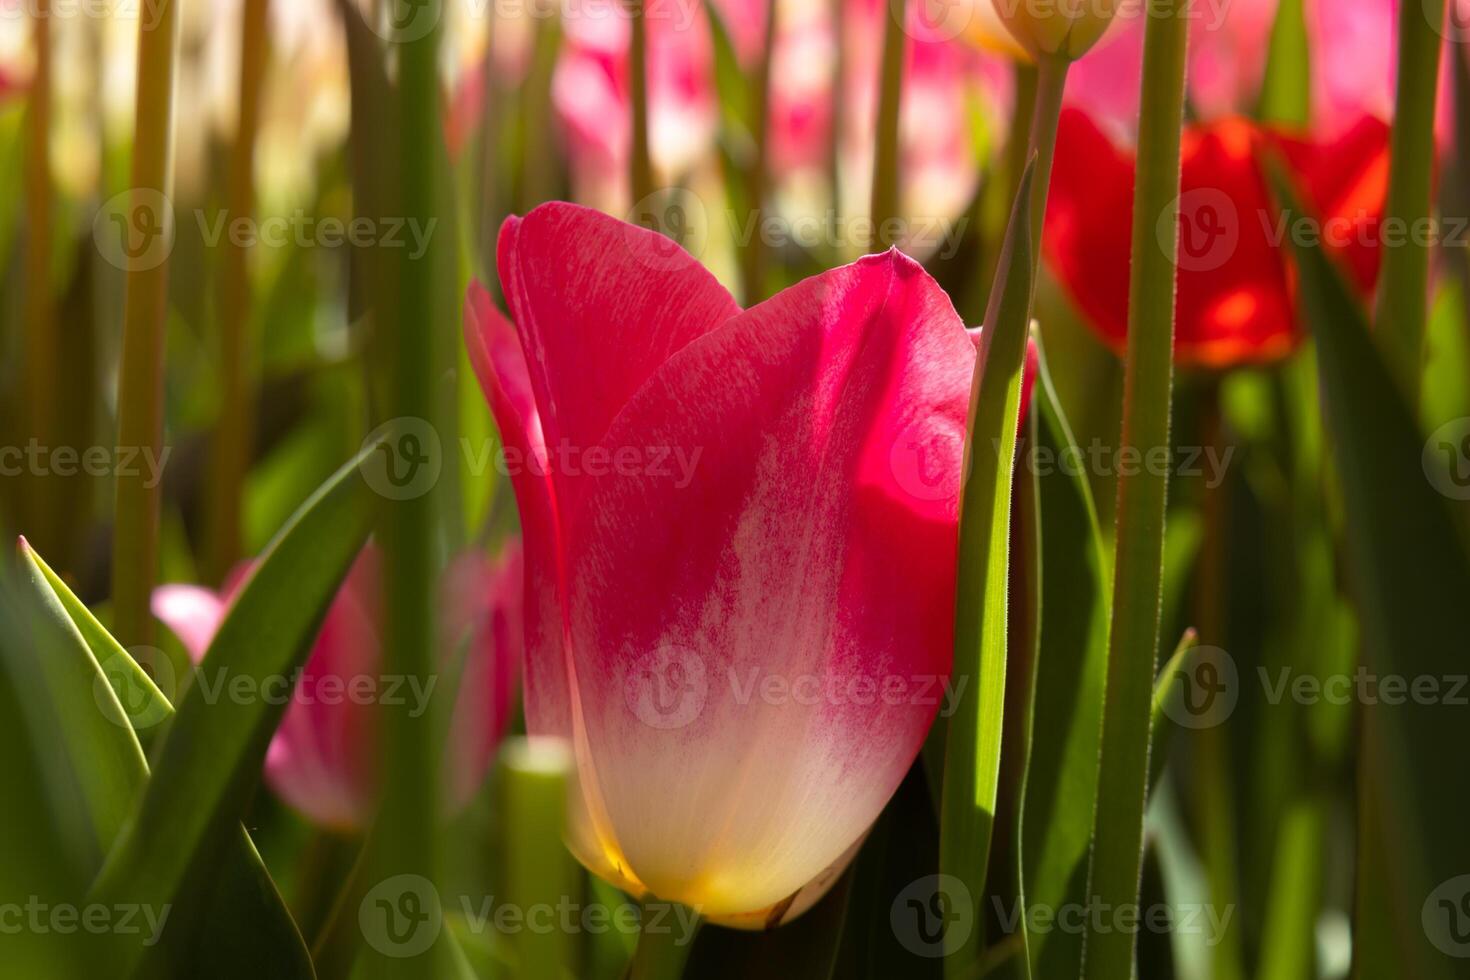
x=641, y=158
x=753, y=255
x=539, y=871
x=407, y=826
x=145, y=320
x=884, y=206
x=230, y=456
x=1147, y=389
x=1403, y=293
x=42, y=356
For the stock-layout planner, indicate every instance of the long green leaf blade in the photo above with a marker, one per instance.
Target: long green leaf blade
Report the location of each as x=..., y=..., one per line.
x=209, y=760
x=972, y=753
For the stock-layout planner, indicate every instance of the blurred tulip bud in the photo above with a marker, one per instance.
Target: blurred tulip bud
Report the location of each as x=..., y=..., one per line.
x=1064, y=29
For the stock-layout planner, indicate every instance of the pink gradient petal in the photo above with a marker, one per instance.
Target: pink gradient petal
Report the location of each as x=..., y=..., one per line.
x=192, y=612
x=794, y=548
x=598, y=304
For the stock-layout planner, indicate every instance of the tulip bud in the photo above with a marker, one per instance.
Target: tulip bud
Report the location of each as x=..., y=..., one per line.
x=1064, y=29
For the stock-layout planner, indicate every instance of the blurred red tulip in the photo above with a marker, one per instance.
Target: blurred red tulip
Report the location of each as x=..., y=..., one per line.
x=1235, y=303
x=322, y=759
x=740, y=533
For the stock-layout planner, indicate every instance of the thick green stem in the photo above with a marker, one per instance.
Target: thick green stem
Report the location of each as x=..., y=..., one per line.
x=664, y=942
x=1051, y=81
x=884, y=208
x=407, y=825
x=1147, y=391
x=641, y=157
x=1404, y=290
x=233, y=434
x=145, y=314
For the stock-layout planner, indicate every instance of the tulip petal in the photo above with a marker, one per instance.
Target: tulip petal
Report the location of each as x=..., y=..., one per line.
x=761, y=615
x=599, y=305
x=321, y=760
x=192, y=612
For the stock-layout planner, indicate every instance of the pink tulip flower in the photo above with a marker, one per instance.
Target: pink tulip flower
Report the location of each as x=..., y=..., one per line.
x=322, y=760
x=740, y=533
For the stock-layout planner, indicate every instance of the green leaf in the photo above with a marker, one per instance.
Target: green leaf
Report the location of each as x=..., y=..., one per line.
x=1410, y=577
x=973, y=749
x=1061, y=780
x=1163, y=728
x=209, y=761
x=102, y=695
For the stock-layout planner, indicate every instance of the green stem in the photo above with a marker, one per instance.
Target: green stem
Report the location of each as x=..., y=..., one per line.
x=145, y=313
x=1051, y=82
x=664, y=943
x=1404, y=290
x=407, y=823
x=231, y=451
x=1147, y=390
x=641, y=157
x=884, y=207
x=41, y=354
x=753, y=255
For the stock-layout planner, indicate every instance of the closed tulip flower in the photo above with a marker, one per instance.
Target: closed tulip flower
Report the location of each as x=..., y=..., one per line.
x=740, y=534
x=322, y=760
x=1065, y=29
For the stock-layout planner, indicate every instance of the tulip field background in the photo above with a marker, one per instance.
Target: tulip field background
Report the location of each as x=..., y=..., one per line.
x=735, y=488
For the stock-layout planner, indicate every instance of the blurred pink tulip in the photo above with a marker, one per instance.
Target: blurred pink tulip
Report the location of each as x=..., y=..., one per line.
x=1352, y=63
x=740, y=532
x=322, y=758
